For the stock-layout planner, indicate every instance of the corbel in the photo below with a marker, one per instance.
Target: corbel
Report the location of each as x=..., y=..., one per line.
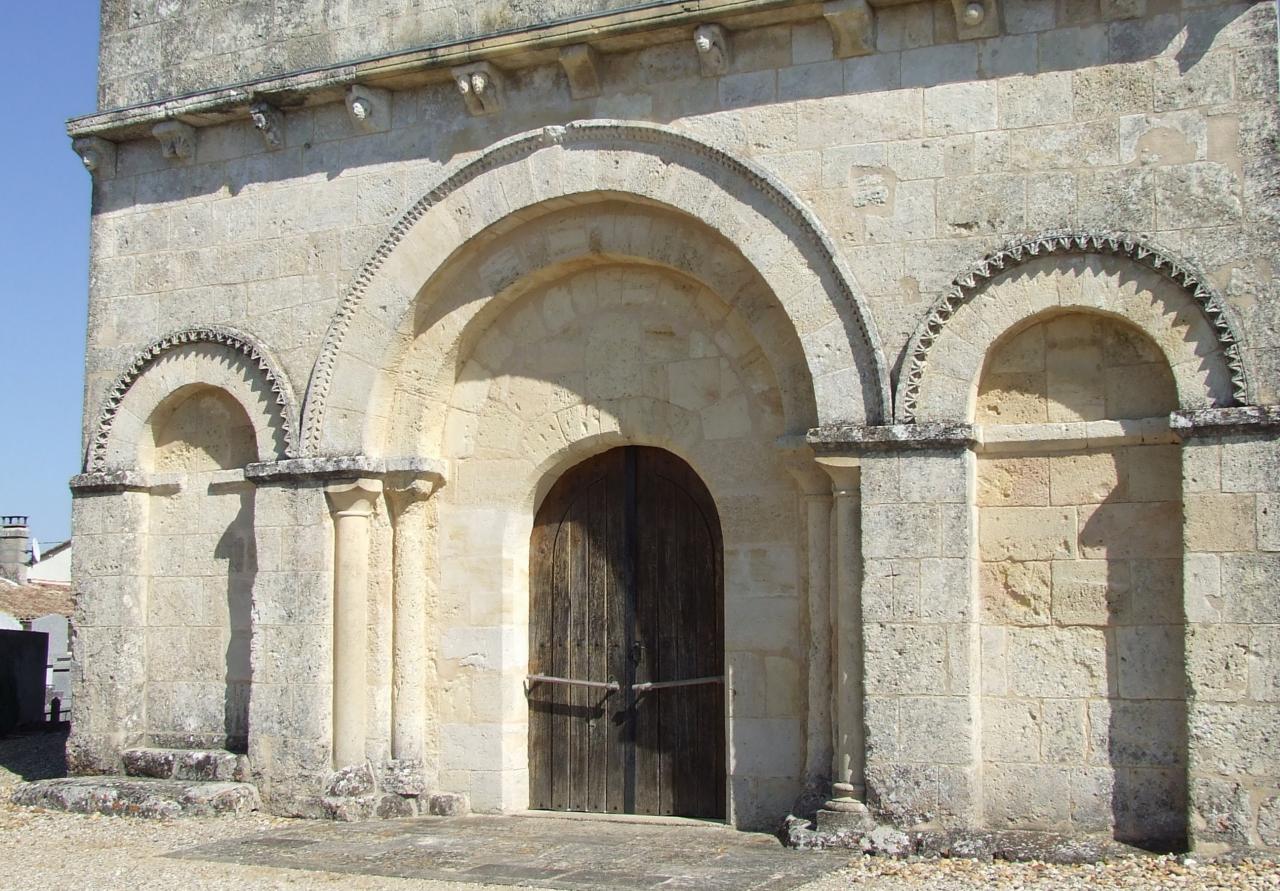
x=481, y=87
x=976, y=18
x=581, y=65
x=269, y=121
x=712, y=44
x=177, y=140
x=97, y=155
x=369, y=108
x=853, y=27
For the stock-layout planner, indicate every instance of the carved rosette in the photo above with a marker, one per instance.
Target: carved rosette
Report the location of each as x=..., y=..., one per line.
x=212, y=334
x=965, y=285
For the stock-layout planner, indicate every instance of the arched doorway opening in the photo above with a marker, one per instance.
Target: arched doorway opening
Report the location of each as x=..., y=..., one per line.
x=626, y=634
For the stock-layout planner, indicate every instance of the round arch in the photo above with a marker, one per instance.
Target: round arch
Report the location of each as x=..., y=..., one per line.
x=560, y=166
x=1160, y=295
x=218, y=357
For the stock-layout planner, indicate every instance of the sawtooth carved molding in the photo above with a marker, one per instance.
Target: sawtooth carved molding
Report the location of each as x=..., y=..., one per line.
x=618, y=136
x=236, y=341
x=965, y=285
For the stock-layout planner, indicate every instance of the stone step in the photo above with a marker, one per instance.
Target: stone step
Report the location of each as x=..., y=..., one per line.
x=187, y=764
x=138, y=796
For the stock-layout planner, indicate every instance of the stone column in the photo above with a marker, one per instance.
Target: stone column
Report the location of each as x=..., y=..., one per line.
x=352, y=503
x=815, y=489
x=847, y=769
x=412, y=525
x=847, y=766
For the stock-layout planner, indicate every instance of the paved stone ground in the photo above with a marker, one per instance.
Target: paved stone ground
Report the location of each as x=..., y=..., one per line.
x=535, y=852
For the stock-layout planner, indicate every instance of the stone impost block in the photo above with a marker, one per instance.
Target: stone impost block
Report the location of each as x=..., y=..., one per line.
x=582, y=67
x=398, y=469
x=1220, y=421
x=369, y=108
x=481, y=86
x=712, y=44
x=177, y=140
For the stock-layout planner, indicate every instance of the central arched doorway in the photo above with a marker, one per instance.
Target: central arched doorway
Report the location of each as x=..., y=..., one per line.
x=626, y=641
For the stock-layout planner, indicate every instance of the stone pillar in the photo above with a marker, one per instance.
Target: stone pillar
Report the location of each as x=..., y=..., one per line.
x=352, y=503
x=110, y=520
x=815, y=488
x=412, y=526
x=847, y=764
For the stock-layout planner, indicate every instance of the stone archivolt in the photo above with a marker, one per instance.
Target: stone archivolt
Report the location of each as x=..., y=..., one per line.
x=1140, y=251
x=238, y=342
x=852, y=350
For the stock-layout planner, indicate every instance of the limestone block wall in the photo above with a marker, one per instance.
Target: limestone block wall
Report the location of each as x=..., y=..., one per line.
x=920, y=635
x=1230, y=485
x=291, y=701
x=1084, y=710
x=153, y=49
x=203, y=561
x=719, y=327
x=270, y=240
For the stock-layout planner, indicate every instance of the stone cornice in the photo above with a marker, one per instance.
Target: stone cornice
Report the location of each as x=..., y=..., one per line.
x=1260, y=419
x=346, y=467
x=865, y=438
x=965, y=285
x=433, y=62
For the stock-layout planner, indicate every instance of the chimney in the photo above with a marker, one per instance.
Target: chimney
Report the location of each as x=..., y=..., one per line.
x=13, y=549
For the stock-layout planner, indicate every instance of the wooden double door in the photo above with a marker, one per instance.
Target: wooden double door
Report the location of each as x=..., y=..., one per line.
x=626, y=656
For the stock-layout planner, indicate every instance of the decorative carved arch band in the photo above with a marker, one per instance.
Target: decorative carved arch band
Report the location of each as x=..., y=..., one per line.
x=855, y=352
x=967, y=284
x=284, y=424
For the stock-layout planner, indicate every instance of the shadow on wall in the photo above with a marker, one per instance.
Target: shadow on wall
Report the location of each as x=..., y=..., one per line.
x=238, y=548
x=1145, y=713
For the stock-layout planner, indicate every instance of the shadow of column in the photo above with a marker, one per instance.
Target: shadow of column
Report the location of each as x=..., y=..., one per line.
x=239, y=548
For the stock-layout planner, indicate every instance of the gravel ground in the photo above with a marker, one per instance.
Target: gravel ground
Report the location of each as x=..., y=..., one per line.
x=43, y=849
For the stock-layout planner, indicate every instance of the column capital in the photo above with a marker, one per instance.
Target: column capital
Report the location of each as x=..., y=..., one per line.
x=844, y=472
x=353, y=498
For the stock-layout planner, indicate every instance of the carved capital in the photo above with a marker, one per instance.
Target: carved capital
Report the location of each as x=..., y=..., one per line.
x=177, y=140
x=353, y=498
x=581, y=65
x=481, y=87
x=269, y=121
x=369, y=108
x=853, y=27
x=976, y=18
x=712, y=44
x=844, y=472
x=98, y=155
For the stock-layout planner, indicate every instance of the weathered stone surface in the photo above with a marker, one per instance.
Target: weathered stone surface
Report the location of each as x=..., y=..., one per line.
x=137, y=797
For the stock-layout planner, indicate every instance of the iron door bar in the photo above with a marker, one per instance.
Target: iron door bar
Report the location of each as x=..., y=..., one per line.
x=530, y=680
x=691, y=682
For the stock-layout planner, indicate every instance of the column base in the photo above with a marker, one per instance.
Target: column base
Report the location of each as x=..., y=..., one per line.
x=844, y=812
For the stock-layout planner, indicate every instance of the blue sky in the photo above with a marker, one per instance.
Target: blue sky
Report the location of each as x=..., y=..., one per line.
x=49, y=62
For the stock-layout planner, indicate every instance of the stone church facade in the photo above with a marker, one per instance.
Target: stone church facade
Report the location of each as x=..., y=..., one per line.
x=870, y=392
